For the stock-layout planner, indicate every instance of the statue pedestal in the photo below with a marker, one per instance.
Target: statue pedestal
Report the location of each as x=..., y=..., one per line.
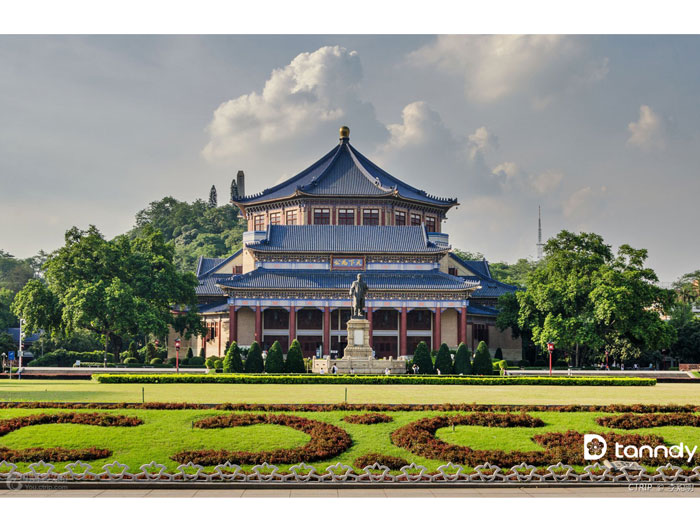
x=358, y=340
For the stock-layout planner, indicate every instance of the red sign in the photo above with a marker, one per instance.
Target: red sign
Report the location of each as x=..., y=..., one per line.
x=550, y=347
x=177, y=344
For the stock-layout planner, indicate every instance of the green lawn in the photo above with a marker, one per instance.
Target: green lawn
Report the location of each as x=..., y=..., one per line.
x=166, y=432
x=90, y=391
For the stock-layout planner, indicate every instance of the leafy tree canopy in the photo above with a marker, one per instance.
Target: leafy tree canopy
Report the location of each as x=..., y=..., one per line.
x=688, y=288
x=118, y=288
x=515, y=273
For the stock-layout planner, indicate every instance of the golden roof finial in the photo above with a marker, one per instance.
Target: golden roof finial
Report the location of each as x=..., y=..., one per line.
x=344, y=132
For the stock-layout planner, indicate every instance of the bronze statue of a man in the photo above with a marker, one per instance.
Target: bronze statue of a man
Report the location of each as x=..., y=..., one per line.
x=358, y=291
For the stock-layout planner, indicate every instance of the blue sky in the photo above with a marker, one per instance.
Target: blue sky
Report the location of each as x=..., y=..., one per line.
x=602, y=131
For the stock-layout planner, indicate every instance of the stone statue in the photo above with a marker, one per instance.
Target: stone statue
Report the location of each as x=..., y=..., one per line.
x=358, y=292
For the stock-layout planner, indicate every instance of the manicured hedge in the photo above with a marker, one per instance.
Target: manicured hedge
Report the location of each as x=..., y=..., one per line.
x=52, y=455
x=65, y=358
x=372, y=379
x=371, y=418
x=368, y=460
x=326, y=441
x=631, y=421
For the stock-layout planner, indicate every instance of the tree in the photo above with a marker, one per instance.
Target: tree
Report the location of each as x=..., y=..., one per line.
x=443, y=361
x=583, y=299
x=232, y=360
x=686, y=347
x=7, y=343
x=463, y=361
x=190, y=353
x=498, y=354
x=688, y=288
x=468, y=256
x=149, y=353
x=118, y=288
x=421, y=357
x=295, y=359
x=254, y=360
x=517, y=273
x=212, y=197
x=14, y=273
x=274, y=364
x=7, y=320
x=133, y=350
x=483, y=365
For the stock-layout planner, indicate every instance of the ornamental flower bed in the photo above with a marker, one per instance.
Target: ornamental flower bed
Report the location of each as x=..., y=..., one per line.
x=326, y=442
x=50, y=455
x=313, y=379
x=371, y=418
x=367, y=460
x=631, y=421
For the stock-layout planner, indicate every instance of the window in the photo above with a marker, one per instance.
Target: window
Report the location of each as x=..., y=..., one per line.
x=415, y=219
x=291, y=217
x=275, y=218
x=481, y=333
x=430, y=224
x=346, y=216
x=370, y=217
x=452, y=271
x=259, y=223
x=322, y=216
x=400, y=218
x=238, y=270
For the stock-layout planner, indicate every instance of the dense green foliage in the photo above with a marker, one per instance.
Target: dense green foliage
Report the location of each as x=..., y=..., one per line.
x=65, y=358
x=254, y=360
x=687, y=287
x=482, y=360
x=443, y=361
x=421, y=358
x=372, y=379
x=463, y=360
x=118, y=289
x=517, y=273
x=232, y=359
x=274, y=363
x=587, y=300
x=195, y=229
x=686, y=347
x=14, y=274
x=295, y=359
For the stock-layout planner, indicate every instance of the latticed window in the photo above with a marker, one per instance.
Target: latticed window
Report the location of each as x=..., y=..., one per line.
x=415, y=219
x=322, y=216
x=291, y=217
x=259, y=223
x=275, y=218
x=370, y=217
x=346, y=216
x=430, y=224
x=400, y=218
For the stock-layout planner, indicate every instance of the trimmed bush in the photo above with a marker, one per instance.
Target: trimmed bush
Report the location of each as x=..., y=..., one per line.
x=190, y=354
x=632, y=421
x=421, y=357
x=150, y=353
x=232, y=359
x=202, y=353
x=499, y=365
x=368, y=460
x=409, y=379
x=498, y=354
x=209, y=362
x=196, y=361
x=443, y=361
x=219, y=364
x=295, y=359
x=482, y=361
x=64, y=358
x=274, y=364
x=463, y=362
x=254, y=361
x=133, y=350
x=371, y=418
x=523, y=363
x=156, y=361
x=131, y=361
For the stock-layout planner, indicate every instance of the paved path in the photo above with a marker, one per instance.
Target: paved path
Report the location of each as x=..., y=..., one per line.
x=506, y=492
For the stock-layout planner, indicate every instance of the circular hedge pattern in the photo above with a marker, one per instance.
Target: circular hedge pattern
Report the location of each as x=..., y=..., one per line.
x=326, y=441
x=59, y=454
x=631, y=421
x=371, y=418
x=392, y=462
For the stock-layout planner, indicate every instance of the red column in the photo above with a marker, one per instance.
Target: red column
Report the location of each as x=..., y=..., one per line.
x=258, y=324
x=402, y=331
x=232, y=324
x=292, y=323
x=218, y=336
x=463, y=325
x=369, y=318
x=326, y=330
x=437, y=329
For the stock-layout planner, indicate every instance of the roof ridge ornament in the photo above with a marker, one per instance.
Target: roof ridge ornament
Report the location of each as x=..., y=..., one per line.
x=344, y=134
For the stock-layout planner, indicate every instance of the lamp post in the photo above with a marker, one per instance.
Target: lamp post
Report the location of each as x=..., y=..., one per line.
x=22, y=322
x=550, y=349
x=607, y=366
x=177, y=355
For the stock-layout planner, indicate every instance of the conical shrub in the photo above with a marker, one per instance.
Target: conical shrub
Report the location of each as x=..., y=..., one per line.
x=254, y=361
x=421, y=357
x=274, y=364
x=295, y=359
x=233, y=364
x=443, y=361
x=482, y=360
x=463, y=360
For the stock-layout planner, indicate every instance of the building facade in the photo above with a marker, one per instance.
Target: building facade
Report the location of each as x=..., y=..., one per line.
x=307, y=240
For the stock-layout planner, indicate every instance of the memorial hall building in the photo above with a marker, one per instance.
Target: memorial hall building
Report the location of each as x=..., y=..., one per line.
x=308, y=238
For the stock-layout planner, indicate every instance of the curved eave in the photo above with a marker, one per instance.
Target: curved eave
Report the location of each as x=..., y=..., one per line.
x=431, y=290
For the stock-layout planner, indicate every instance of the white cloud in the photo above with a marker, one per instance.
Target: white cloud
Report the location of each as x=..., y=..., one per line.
x=313, y=90
x=648, y=131
x=481, y=140
x=584, y=203
x=496, y=66
x=419, y=126
x=546, y=181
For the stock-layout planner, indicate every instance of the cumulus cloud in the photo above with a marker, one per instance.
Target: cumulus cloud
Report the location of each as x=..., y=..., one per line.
x=481, y=140
x=496, y=66
x=648, y=131
x=512, y=178
x=307, y=94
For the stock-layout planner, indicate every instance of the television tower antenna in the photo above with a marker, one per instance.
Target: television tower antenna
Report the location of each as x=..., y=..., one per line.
x=539, y=233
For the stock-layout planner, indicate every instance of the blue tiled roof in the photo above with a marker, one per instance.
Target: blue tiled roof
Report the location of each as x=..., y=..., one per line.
x=213, y=308
x=479, y=309
x=345, y=171
x=207, y=265
x=346, y=239
x=490, y=287
x=207, y=284
x=263, y=278
x=480, y=268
